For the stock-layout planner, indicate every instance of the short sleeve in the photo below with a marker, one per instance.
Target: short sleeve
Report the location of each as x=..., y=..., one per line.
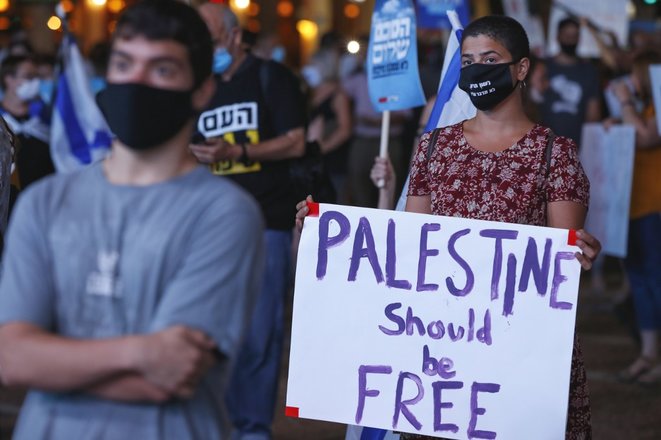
x=567, y=182
x=419, y=182
x=284, y=99
x=217, y=283
x=27, y=291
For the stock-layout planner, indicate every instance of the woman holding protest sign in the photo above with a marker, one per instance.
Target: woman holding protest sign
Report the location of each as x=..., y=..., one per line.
x=500, y=166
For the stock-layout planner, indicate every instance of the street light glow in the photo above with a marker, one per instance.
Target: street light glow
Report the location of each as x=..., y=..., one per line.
x=353, y=46
x=54, y=23
x=308, y=29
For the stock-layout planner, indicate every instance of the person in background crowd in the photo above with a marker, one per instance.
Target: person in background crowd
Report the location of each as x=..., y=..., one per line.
x=98, y=66
x=252, y=128
x=123, y=297
x=6, y=158
x=493, y=167
x=268, y=46
x=27, y=116
x=46, y=74
x=573, y=95
x=329, y=118
x=643, y=261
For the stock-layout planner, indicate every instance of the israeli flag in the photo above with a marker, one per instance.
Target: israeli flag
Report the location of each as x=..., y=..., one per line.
x=452, y=104
x=364, y=433
x=79, y=133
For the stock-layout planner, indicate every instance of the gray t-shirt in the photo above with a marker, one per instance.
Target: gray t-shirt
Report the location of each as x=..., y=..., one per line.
x=88, y=259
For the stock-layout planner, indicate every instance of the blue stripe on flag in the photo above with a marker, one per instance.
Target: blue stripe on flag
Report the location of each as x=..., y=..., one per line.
x=79, y=145
x=450, y=81
x=373, y=434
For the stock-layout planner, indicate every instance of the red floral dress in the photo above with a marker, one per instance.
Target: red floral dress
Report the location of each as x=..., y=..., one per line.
x=507, y=186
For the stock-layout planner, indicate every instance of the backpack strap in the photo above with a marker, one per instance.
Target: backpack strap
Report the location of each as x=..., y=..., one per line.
x=432, y=143
x=550, y=140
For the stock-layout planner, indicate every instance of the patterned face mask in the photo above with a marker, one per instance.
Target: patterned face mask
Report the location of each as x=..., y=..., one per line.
x=487, y=85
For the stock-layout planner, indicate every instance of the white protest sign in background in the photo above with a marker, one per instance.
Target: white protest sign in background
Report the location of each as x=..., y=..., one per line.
x=607, y=157
x=611, y=15
x=518, y=10
x=441, y=326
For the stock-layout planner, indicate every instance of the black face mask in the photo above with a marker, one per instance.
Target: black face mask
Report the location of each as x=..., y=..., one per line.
x=144, y=117
x=569, y=49
x=487, y=85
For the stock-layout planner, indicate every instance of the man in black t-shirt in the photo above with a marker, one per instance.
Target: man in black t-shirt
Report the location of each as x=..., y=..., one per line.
x=25, y=114
x=572, y=96
x=252, y=127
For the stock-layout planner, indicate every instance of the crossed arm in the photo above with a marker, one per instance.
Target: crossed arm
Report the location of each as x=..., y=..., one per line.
x=153, y=367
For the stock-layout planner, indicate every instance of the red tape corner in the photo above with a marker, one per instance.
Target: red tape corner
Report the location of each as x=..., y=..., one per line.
x=291, y=411
x=571, y=239
x=313, y=209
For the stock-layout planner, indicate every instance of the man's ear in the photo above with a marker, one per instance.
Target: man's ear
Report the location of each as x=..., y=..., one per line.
x=203, y=94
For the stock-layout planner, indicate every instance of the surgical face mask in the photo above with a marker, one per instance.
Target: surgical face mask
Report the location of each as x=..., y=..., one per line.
x=312, y=76
x=144, y=117
x=97, y=83
x=278, y=54
x=28, y=90
x=222, y=60
x=46, y=88
x=487, y=85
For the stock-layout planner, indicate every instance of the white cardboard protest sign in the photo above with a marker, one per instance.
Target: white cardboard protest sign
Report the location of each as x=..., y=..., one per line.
x=442, y=326
x=611, y=15
x=607, y=157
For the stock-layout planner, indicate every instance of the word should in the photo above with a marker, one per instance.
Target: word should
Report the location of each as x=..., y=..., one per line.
x=437, y=329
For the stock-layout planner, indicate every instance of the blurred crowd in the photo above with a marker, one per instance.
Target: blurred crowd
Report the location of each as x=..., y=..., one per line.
x=340, y=133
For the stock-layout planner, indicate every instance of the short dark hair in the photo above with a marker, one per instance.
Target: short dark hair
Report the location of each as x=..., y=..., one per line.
x=170, y=20
x=568, y=21
x=505, y=30
x=10, y=66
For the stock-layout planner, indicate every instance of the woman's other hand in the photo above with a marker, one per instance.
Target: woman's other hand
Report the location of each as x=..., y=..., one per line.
x=302, y=211
x=590, y=249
